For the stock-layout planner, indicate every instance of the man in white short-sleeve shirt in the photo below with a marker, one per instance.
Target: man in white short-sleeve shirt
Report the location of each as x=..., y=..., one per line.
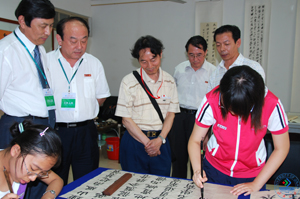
x=80, y=87
x=191, y=78
x=228, y=41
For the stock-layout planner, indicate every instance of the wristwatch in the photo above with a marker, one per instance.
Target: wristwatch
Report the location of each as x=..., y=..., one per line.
x=162, y=138
x=51, y=191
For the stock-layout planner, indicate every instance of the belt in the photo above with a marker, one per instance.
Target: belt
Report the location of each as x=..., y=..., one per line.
x=72, y=125
x=188, y=111
x=28, y=117
x=151, y=133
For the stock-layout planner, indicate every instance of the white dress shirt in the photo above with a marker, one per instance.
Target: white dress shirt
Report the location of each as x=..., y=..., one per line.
x=89, y=84
x=217, y=75
x=21, y=92
x=191, y=84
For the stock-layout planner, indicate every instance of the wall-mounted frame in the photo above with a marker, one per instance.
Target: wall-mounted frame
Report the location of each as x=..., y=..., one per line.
x=7, y=26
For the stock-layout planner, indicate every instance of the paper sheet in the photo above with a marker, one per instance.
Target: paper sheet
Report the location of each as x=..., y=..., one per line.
x=147, y=186
x=275, y=194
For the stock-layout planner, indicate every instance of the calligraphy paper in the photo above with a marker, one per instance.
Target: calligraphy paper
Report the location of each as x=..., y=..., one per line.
x=275, y=194
x=146, y=186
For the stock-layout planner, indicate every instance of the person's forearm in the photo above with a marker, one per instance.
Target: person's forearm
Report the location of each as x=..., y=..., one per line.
x=134, y=130
x=194, y=154
x=277, y=157
x=197, y=135
x=101, y=101
x=56, y=184
x=167, y=125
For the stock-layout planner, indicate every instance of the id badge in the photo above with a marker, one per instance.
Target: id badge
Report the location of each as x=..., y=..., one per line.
x=48, y=94
x=164, y=97
x=68, y=101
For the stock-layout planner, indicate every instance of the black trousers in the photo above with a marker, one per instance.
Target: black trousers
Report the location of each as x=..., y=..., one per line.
x=79, y=149
x=179, y=136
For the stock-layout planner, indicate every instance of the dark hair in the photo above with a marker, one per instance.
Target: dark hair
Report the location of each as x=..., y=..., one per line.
x=242, y=91
x=62, y=23
x=196, y=41
x=236, y=32
x=31, y=142
x=155, y=45
x=31, y=9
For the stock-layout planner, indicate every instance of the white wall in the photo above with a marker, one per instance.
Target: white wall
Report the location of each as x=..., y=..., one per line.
x=281, y=50
x=118, y=26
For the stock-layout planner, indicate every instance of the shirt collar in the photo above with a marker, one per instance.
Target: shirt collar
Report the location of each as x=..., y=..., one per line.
x=61, y=57
x=30, y=46
x=189, y=66
x=148, y=79
x=237, y=62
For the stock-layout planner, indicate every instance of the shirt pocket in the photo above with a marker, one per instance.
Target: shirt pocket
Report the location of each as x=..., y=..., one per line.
x=89, y=87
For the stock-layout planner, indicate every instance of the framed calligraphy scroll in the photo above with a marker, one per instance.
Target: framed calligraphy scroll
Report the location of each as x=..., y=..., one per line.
x=207, y=32
x=7, y=26
x=256, y=31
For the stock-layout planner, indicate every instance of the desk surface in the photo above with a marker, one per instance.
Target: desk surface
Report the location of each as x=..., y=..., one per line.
x=91, y=175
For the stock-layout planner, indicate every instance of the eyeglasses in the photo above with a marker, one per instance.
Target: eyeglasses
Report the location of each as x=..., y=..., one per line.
x=43, y=174
x=192, y=56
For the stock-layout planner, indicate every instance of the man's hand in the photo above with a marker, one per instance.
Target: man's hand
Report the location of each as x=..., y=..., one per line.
x=153, y=147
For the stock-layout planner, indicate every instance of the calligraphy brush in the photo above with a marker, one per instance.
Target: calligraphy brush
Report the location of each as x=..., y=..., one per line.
x=202, y=189
x=7, y=180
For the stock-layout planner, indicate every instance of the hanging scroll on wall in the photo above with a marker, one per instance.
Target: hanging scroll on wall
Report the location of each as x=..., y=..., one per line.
x=256, y=31
x=207, y=32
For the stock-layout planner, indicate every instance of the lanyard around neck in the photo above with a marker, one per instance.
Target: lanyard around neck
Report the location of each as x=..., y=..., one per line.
x=69, y=81
x=39, y=68
x=147, y=89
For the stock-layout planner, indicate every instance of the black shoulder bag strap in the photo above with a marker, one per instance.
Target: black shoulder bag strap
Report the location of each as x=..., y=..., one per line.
x=153, y=101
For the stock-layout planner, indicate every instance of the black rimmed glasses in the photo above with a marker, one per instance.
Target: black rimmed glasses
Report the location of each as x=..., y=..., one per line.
x=43, y=174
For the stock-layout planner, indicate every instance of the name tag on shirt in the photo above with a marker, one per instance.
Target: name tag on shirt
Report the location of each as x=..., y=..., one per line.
x=165, y=97
x=68, y=101
x=48, y=94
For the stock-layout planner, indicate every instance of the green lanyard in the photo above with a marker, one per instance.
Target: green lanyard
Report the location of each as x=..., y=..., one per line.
x=66, y=74
x=33, y=60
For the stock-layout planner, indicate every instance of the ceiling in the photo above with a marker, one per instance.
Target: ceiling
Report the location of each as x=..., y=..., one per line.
x=112, y=2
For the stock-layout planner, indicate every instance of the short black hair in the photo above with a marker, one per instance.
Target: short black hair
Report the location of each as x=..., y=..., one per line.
x=61, y=25
x=236, y=32
x=242, y=91
x=155, y=45
x=196, y=41
x=31, y=141
x=31, y=9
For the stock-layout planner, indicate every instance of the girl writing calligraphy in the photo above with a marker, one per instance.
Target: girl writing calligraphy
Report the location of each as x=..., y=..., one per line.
x=34, y=150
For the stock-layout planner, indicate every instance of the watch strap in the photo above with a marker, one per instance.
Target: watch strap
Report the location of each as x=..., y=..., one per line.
x=162, y=138
x=51, y=191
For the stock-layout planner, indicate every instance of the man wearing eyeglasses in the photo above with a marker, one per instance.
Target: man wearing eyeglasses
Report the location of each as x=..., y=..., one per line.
x=144, y=147
x=191, y=78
